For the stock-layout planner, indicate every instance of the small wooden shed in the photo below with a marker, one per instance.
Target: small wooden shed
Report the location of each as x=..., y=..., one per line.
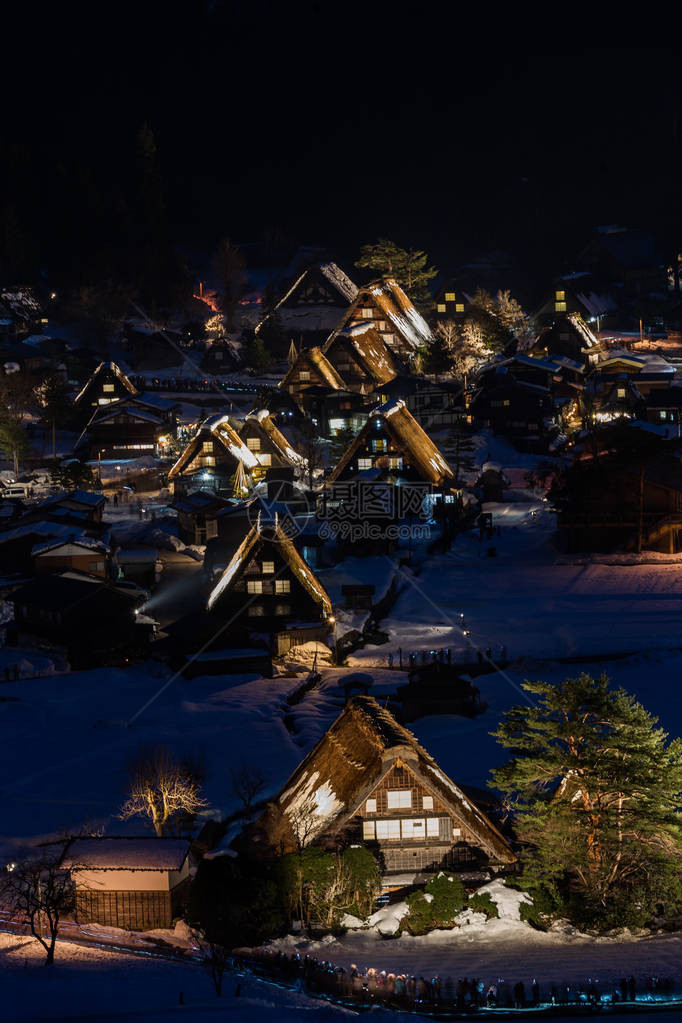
x=134, y=883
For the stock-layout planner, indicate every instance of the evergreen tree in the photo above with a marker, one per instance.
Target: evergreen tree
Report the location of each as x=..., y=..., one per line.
x=461, y=456
x=596, y=789
x=230, y=268
x=406, y=266
x=257, y=355
x=56, y=404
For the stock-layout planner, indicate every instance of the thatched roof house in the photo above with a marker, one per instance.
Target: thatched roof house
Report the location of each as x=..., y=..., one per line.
x=369, y=779
x=313, y=305
x=263, y=437
x=216, y=450
x=361, y=357
x=311, y=368
x=106, y=384
x=393, y=442
x=388, y=308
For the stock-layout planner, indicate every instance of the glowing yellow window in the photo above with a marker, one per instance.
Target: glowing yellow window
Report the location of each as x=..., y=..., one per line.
x=449, y=296
x=282, y=586
x=559, y=307
x=441, y=307
x=459, y=308
x=268, y=567
x=254, y=586
x=253, y=443
x=207, y=447
x=560, y=296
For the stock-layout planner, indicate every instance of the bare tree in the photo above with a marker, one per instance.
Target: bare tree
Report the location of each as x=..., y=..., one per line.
x=304, y=821
x=162, y=789
x=247, y=783
x=215, y=959
x=38, y=892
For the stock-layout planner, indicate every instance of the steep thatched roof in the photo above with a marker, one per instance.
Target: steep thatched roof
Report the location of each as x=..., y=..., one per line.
x=394, y=304
x=579, y=325
x=408, y=436
x=118, y=373
x=250, y=547
x=266, y=422
x=317, y=360
x=372, y=352
x=358, y=749
x=216, y=428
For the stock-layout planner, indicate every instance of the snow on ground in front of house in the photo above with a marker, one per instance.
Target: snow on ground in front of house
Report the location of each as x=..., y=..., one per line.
x=92, y=983
x=528, y=600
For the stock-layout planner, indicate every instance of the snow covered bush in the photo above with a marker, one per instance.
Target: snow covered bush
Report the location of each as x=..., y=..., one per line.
x=436, y=906
x=481, y=902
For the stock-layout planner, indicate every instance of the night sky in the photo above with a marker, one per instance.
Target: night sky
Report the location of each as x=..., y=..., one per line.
x=459, y=131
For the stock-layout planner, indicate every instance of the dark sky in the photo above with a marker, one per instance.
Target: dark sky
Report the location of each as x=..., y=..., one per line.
x=508, y=127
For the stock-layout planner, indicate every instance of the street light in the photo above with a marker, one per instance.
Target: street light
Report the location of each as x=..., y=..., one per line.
x=332, y=619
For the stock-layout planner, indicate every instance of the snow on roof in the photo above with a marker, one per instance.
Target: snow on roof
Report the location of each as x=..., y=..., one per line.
x=351, y=758
x=87, y=542
x=336, y=277
x=219, y=428
x=393, y=301
x=267, y=424
x=372, y=352
x=22, y=302
x=577, y=322
x=126, y=854
x=340, y=280
x=39, y=529
x=315, y=358
x=248, y=549
x=118, y=373
x=408, y=436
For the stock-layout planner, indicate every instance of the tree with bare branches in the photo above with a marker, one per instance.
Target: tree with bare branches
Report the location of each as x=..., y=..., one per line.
x=162, y=789
x=247, y=783
x=39, y=893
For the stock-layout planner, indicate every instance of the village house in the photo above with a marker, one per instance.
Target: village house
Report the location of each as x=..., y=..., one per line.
x=271, y=448
x=211, y=459
x=369, y=782
x=451, y=302
x=137, y=884
x=580, y=293
x=333, y=411
x=312, y=306
x=385, y=305
x=522, y=411
x=267, y=588
x=569, y=335
x=106, y=384
x=198, y=515
x=433, y=403
x=361, y=357
x=77, y=554
x=129, y=427
x=311, y=369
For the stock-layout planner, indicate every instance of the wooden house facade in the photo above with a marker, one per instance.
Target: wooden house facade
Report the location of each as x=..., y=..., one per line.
x=267, y=588
x=137, y=884
x=385, y=305
x=313, y=305
x=311, y=369
x=108, y=383
x=198, y=515
x=569, y=335
x=271, y=448
x=77, y=554
x=369, y=782
x=129, y=427
x=211, y=459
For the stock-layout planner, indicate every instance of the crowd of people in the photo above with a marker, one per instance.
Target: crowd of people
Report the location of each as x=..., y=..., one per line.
x=188, y=384
x=405, y=991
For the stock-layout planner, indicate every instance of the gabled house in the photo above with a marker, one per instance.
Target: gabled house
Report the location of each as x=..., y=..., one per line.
x=611, y=395
x=362, y=358
x=267, y=588
x=108, y=383
x=198, y=515
x=263, y=437
x=581, y=293
x=83, y=505
x=569, y=335
x=212, y=457
x=387, y=307
x=311, y=368
x=516, y=409
x=77, y=554
x=129, y=427
x=313, y=305
x=138, y=884
x=433, y=403
x=369, y=782
x=392, y=446
x=450, y=300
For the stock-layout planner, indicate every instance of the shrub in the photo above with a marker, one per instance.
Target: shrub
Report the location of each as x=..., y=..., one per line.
x=437, y=906
x=481, y=902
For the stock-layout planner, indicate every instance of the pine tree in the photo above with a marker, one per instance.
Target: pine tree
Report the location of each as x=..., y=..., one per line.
x=406, y=266
x=596, y=788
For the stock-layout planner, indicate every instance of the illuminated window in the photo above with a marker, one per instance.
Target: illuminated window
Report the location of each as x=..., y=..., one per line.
x=282, y=586
x=208, y=460
x=108, y=388
x=282, y=609
x=268, y=567
x=253, y=443
x=368, y=829
x=620, y=392
x=265, y=459
x=427, y=803
x=371, y=806
x=364, y=463
x=367, y=313
x=395, y=462
x=559, y=307
x=304, y=374
x=449, y=296
x=207, y=447
x=388, y=829
x=414, y=828
x=432, y=827
x=459, y=308
x=105, y=401
x=560, y=296
x=441, y=307
x=256, y=611
x=254, y=586
x=378, y=444
x=399, y=799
